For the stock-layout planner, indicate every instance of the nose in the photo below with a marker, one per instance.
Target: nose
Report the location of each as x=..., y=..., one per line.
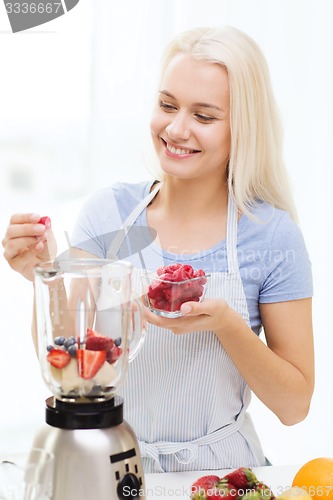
x=179, y=128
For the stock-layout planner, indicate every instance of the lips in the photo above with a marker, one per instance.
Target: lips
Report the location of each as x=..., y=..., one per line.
x=176, y=150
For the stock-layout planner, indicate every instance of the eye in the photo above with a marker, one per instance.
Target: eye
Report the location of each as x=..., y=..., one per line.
x=166, y=106
x=204, y=118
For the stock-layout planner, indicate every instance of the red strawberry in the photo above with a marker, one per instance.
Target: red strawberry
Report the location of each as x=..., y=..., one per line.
x=58, y=358
x=113, y=354
x=189, y=270
x=243, y=478
x=161, y=303
x=46, y=221
x=97, y=342
x=182, y=274
x=168, y=297
x=195, y=289
x=89, y=362
x=167, y=270
x=202, y=485
x=173, y=293
x=155, y=288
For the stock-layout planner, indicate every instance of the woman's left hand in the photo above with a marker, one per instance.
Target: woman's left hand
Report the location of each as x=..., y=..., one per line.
x=210, y=314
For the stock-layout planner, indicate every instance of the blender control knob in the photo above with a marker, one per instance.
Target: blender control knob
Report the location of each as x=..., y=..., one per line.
x=129, y=487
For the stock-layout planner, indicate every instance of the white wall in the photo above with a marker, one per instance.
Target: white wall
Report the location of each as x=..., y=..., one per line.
x=44, y=123
x=64, y=133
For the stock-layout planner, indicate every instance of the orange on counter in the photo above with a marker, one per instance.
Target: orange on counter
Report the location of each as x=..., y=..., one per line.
x=316, y=477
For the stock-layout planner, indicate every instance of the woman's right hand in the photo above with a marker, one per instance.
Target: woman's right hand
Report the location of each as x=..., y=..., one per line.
x=27, y=243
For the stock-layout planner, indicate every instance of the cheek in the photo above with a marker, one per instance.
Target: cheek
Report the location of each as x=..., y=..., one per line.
x=156, y=124
x=227, y=140
x=153, y=128
x=159, y=121
x=223, y=139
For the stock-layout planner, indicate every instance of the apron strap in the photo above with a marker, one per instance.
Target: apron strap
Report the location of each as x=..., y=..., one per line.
x=153, y=450
x=126, y=227
x=231, y=236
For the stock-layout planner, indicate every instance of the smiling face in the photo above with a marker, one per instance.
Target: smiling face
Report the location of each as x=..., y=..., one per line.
x=190, y=125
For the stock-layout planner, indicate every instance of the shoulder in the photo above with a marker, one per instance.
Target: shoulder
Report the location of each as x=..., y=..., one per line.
x=123, y=192
x=269, y=226
x=128, y=195
x=272, y=249
x=103, y=213
x=270, y=241
x=121, y=197
x=129, y=189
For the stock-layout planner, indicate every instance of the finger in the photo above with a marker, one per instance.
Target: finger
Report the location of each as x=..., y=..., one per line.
x=21, y=230
x=24, y=218
x=208, y=307
x=18, y=246
x=194, y=308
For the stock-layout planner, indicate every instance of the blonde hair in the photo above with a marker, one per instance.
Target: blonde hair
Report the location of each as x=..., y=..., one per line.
x=256, y=169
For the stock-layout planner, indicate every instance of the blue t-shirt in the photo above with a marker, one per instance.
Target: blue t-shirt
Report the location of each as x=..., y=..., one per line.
x=273, y=260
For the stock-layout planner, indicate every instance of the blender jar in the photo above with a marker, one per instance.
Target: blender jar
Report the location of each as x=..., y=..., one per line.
x=89, y=326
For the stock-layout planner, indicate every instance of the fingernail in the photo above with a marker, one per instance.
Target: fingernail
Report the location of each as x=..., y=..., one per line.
x=185, y=308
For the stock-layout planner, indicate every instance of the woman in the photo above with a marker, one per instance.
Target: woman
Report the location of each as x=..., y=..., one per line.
x=222, y=204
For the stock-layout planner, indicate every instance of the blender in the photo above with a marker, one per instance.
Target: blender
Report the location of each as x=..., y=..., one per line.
x=89, y=327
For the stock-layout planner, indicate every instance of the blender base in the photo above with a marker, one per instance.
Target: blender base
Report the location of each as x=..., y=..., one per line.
x=96, y=451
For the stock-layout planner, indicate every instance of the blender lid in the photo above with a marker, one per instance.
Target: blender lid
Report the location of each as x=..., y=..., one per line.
x=90, y=415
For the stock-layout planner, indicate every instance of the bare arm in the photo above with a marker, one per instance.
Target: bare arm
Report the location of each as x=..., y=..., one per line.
x=280, y=373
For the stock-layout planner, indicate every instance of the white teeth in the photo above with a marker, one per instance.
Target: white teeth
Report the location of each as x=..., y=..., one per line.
x=178, y=151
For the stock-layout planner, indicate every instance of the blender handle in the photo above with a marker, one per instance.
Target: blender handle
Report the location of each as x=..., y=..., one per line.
x=137, y=327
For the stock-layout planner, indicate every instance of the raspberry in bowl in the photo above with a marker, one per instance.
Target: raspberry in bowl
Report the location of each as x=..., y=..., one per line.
x=166, y=289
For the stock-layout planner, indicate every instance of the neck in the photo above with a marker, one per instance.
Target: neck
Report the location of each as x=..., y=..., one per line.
x=193, y=197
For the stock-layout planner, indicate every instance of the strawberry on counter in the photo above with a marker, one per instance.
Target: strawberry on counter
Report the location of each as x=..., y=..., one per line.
x=202, y=486
x=241, y=484
x=243, y=478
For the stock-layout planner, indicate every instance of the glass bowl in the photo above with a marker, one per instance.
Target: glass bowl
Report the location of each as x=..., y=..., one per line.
x=165, y=297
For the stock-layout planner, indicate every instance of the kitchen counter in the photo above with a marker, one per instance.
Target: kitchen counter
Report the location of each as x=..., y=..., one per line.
x=177, y=485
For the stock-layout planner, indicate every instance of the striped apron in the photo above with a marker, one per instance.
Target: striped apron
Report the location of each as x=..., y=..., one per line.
x=184, y=397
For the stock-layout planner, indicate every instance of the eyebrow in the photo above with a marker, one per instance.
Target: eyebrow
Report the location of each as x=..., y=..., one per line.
x=200, y=104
